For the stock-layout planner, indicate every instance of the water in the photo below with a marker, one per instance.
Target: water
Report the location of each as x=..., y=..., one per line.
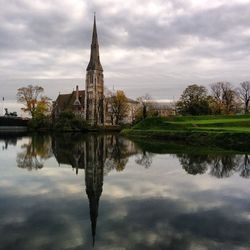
x=76, y=192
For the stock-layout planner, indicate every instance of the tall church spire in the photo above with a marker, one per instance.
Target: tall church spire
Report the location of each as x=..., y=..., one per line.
x=94, y=85
x=94, y=62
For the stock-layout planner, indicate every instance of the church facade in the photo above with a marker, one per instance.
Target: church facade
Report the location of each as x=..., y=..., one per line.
x=91, y=103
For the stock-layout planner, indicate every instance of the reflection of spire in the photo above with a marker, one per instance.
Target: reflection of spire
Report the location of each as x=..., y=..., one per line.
x=94, y=178
x=94, y=182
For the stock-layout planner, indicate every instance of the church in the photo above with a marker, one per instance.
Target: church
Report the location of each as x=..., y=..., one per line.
x=91, y=103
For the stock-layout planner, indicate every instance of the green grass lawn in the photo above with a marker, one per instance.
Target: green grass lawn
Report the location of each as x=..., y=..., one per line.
x=200, y=123
x=230, y=132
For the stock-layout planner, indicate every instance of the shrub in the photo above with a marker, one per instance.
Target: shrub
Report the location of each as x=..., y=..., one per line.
x=68, y=121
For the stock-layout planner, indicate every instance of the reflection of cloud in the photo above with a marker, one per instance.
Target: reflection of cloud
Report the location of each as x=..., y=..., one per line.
x=149, y=223
x=152, y=224
x=161, y=207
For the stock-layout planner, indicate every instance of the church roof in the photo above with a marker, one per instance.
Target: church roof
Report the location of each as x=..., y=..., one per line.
x=94, y=62
x=66, y=101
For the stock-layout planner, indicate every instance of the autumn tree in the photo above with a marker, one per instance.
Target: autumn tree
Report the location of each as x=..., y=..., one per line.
x=118, y=104
x=193, y=101
x=244, y=94
x=33, y=99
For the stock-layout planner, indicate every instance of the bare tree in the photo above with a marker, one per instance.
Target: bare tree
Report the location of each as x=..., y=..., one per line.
x=244, y=94
x=225, y=97
x=145, y=104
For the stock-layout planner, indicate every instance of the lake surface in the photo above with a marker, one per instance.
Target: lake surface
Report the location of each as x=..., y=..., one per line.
x=79, y=191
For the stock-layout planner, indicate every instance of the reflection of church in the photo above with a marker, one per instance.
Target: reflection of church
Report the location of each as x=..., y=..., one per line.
x=97, y=155
x=86, y=154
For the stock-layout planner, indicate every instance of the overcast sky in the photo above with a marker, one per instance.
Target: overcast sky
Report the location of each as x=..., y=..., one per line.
x=156, y=47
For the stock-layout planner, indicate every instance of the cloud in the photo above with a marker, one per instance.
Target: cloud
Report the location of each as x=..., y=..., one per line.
x=160, y=45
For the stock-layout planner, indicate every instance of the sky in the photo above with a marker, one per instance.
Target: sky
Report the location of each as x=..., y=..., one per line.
x=146, y=46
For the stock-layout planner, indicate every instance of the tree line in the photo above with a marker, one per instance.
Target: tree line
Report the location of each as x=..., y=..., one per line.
x=220, y=98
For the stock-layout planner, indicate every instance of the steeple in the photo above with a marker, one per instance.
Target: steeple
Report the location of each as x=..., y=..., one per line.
x=94, y=62
x=94, y=85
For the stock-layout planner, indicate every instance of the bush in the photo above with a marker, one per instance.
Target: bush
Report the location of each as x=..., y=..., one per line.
x=68, y=121
x=40, y=122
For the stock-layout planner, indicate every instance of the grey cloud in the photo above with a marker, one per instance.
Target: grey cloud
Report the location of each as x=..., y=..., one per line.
x=216, y=33
x=223, y=24
x=54, y=28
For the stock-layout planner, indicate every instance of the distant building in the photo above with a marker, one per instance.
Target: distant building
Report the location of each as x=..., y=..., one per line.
x=163, y=108
x=91, y=103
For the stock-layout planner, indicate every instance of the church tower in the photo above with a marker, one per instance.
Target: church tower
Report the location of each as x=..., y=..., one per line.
x=94, y=86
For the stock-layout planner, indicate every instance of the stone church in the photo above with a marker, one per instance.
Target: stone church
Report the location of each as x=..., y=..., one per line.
x=91, y=102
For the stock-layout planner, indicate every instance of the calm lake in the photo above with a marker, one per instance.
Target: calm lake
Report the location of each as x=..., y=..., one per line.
x=76, y=191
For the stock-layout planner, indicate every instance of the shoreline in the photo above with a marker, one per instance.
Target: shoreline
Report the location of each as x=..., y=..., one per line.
x=238, y=141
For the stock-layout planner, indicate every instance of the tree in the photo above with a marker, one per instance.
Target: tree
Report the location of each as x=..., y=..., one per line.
x=145, y=105
x=244, y=94
x=35, y=103
x=225, y=98
x=119, y=107
x=194, y=101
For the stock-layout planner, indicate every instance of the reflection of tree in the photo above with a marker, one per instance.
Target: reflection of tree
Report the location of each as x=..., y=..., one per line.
x=221, y=166
x=245, y=166
x=144, y=159
x=35, y=151
x=224, y=166
x=118, y=153
x=193, y=164
x=9, y=141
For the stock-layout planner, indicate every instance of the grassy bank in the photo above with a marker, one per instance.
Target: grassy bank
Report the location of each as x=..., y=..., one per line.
x=223, y=131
